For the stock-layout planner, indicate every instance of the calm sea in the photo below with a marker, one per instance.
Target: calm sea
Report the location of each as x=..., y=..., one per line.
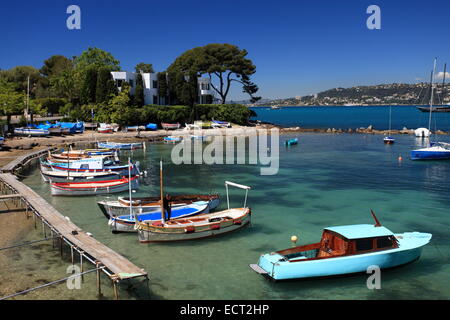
x=353, y=117
x=325, y=180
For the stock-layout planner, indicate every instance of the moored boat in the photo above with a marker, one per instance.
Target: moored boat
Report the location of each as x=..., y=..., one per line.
x=60, y=176
x=126, y=223
x=344, y=250
x=121, y=145
x=172, y=139
x=200, y=226
x=291, y=142
x=121, y=206
x=92, y=188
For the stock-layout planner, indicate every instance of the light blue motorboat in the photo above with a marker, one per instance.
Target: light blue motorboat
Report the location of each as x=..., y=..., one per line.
x=344, y=250
x=291, y=142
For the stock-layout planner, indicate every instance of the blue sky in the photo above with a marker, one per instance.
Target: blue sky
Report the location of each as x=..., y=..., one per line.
x=299, y=47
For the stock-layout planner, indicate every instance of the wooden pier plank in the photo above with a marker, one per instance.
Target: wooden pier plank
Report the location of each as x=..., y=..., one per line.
x=113, y=261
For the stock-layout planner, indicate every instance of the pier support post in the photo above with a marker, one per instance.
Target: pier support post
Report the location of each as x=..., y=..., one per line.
x=116, y=289
x=81, y=265
x=43, y=229
x=61, y=246
x=97, y=265
x=71, y=254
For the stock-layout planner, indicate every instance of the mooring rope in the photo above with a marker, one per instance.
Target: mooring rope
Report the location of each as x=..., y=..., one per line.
x=27, y=243
x=49, y=284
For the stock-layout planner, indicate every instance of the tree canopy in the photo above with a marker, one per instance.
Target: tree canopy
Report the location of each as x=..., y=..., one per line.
x=144, y=67
x=223, y=63
x=96, y=58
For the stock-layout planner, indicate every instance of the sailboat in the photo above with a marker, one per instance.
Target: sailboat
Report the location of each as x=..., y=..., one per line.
x=389, y=139
x=435, y=150
x=442, y=107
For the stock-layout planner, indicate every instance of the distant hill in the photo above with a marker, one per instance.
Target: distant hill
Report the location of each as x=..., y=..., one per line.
x=383, y=94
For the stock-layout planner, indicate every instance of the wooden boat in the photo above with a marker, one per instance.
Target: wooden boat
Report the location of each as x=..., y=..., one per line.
x=126, y=223
x=201, y=226
x=87, y=167
x=92, y=188
x=121, y=206
x=34, y=132
x=105, y=129
x=291, y=142
x=170, y=126
x=120, y=145
x=60, y=176
x=344, y=250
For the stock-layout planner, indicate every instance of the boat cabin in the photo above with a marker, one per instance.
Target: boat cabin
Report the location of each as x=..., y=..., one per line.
x=343, y=241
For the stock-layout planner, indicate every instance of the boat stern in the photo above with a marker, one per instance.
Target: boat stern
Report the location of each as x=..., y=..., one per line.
x=267, y=264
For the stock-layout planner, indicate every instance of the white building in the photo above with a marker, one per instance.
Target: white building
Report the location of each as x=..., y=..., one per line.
x=206, y=94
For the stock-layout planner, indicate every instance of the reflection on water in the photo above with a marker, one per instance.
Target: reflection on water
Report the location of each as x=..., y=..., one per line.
x=325, y=180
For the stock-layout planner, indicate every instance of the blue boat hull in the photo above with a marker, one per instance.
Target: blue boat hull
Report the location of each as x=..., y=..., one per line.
x=429, y=155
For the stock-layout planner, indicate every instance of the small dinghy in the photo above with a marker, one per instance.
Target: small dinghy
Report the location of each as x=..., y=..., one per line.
x=344, y=250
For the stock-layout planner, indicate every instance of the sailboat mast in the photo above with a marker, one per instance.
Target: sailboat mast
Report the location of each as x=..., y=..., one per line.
x=432, y=92
x=163, y=214
x=390, y=112
x=443, y=83
x=129, y=189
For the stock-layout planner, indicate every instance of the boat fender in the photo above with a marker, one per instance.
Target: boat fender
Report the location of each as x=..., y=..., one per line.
x=189, y=229
x=237, y=222
x=215, y=227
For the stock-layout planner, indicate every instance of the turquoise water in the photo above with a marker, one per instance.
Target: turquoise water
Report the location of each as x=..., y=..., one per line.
x=323, y=181
x=354, y=117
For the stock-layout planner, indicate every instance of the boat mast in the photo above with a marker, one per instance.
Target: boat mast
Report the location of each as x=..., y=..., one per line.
x=163, y=214
x=129, y=189
x=390, y=112
x=443, y=83
x=432, y=91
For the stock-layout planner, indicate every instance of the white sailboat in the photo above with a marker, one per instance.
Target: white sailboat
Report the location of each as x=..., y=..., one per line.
x=389, y=139
x=435, y=150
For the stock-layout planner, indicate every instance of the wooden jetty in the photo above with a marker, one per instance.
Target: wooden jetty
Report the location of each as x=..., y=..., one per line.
x=114, y=265
x=20, y=161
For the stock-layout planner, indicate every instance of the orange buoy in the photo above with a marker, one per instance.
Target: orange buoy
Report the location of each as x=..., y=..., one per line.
x=400, y=158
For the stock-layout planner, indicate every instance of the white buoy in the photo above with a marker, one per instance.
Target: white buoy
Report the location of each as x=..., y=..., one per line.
x=294, y=239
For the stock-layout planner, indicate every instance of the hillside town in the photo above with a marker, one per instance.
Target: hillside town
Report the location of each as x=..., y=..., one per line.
x=383, y=94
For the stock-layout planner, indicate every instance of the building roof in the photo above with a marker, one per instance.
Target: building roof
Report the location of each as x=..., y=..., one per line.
x=358, y=231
